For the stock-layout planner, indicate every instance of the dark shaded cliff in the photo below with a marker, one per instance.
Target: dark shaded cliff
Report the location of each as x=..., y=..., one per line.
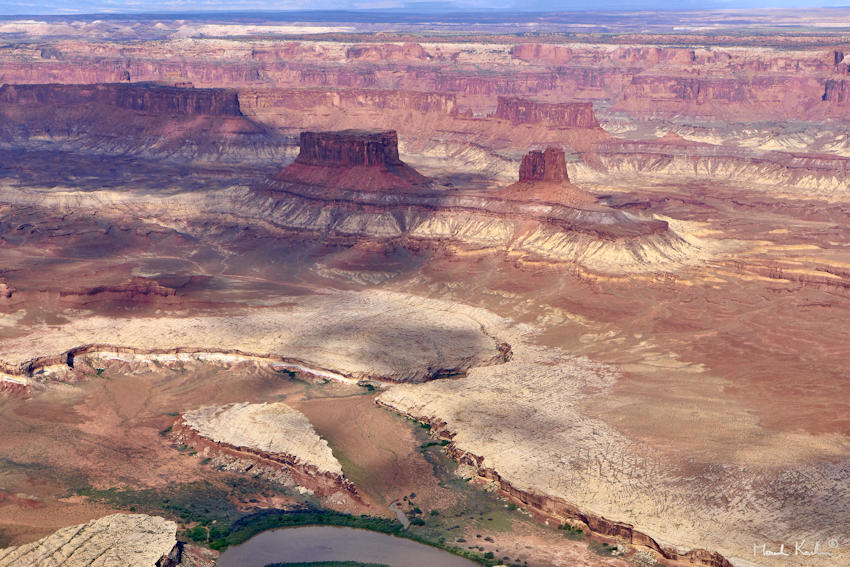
x=156, y=99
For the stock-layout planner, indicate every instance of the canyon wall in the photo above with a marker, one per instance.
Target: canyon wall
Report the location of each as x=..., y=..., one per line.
x=271, y=439
x=557, y=510
x=181, y=123
x=565, y=115
x=349, y=148
x=153, y=99
x=734, y=82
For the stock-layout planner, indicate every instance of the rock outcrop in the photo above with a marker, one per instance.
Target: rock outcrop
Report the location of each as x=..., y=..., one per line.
x=152, y=121
x=125, y=540
x=352, y=159
x=134, y=290
x=836, y=91
x=543, y=177
x=346, y=336
x=330, y=190
x=562, y=115
x=557, y=510
x=387, y=52
x=149, y=98
x=548, y=165
x=271, y=439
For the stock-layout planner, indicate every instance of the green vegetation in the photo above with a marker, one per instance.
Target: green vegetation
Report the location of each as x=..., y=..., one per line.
x=571, y=532
x=604, y=549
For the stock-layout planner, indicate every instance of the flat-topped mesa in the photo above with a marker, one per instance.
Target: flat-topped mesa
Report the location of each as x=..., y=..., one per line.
x=561, y=114
x=352, y=159
x=145, y=97
x=349, y=148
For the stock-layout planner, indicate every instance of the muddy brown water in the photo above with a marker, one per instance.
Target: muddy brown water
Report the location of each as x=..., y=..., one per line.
x=329, y=543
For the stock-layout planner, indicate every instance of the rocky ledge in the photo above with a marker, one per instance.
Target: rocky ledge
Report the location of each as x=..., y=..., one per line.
x=125, y=540
x=350, y=336
x=270, y=439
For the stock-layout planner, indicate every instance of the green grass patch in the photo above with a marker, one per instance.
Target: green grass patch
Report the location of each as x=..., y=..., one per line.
x=572, y=532
x=604, y=549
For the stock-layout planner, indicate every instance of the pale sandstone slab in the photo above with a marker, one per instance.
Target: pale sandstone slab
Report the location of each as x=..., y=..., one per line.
x=119, y=540
x=375, y=335
x=270, y=428
x=524, y=420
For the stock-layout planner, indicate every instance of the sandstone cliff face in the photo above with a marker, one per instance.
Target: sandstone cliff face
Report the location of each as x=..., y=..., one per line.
x=836, y=91
x=154, y=99
x=128, y=540
x=352, y=159
x=267, y=102
x=153, y=121
x=349, y=148
x=387, y=52
x=564, y=115
x=548, y=165
x=543, y=178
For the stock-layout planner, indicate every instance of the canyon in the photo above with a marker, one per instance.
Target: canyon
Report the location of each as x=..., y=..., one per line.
x=257, y=270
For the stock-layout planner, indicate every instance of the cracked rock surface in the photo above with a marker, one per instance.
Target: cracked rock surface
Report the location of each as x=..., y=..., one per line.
x=119, y=540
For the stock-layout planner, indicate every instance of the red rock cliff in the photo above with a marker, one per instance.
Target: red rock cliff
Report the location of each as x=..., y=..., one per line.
x=569, y=115
x=352, y=159
x=349, y=148
x=549, y=165
x=155, y=99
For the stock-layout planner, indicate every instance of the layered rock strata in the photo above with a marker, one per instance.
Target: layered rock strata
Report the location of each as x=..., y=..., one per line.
x=543, y=177
x=384, y=204
x=152, y=98
x=562, y=115
x=154, y=121
x=125, y=540
x=672, y=157
x=267, y=439
x=352, y=159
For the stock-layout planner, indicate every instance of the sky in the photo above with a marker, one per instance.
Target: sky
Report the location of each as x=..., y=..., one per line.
x=11, y=7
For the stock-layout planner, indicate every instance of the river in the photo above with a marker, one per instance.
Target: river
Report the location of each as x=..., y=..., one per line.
x=329, y=543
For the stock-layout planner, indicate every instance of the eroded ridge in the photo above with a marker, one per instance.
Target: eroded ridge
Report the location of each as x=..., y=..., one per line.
x=270, y=439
